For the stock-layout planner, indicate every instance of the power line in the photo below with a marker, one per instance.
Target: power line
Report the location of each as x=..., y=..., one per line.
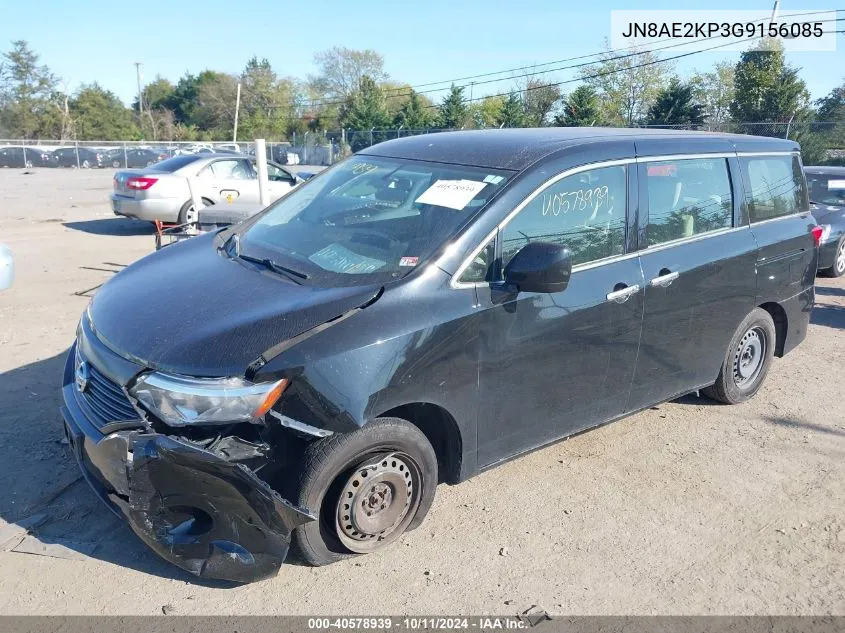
x=587, y=56
x=610, y=72
x=583, y=64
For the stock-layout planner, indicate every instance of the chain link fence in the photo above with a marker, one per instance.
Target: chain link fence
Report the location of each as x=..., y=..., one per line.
x=821, y=142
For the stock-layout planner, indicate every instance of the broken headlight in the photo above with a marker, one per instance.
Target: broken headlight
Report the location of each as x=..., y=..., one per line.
x=182, y=401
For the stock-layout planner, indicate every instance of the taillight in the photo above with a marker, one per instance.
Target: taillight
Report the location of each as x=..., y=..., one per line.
x=818, y=231
x=141, y=183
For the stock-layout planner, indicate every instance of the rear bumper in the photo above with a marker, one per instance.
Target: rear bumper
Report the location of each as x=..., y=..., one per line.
x=827, y=254
x=213, y=518
x=148, y=209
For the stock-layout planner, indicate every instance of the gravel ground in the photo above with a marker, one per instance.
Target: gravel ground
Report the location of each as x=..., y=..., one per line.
x=690, y=507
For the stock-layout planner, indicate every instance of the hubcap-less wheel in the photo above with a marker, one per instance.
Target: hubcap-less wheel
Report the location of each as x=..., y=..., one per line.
x=749, y=356
x=377, y=501
x=840, y=258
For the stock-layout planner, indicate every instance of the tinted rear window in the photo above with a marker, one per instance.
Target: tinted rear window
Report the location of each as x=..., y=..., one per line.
x=177, y=162
x=827, y=188
x=777, y=186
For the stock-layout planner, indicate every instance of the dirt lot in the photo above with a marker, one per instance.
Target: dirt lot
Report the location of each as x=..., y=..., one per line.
x=690, y=507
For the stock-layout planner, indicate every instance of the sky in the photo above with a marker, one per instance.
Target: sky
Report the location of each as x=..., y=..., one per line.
x=83, y=41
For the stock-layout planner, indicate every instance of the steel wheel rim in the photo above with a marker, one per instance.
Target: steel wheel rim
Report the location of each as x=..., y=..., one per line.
x=749, y=356
x=377, y=501
x=840, y=258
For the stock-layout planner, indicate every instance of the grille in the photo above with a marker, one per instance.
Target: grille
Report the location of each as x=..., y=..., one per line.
x=104, y=399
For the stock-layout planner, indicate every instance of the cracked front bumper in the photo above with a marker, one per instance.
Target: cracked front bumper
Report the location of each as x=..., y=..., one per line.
x=213, y=518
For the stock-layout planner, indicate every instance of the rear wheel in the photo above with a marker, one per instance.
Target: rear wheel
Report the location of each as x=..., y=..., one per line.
x=367, y=488
x=747, y=360
x=86, y=164
x=188, y=207
x=115, y=164
x=838, y=268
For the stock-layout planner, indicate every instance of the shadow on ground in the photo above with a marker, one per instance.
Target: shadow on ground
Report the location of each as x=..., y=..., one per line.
x=38, y=474
x=791, y=423
x=827, y=291
x=112, y=226
x=828, y=315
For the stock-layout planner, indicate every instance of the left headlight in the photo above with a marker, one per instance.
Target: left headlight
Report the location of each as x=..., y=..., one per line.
x=183, y=401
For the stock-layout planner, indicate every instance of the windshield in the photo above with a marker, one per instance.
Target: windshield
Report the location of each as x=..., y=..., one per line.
x=370, y=220
x=827, y=189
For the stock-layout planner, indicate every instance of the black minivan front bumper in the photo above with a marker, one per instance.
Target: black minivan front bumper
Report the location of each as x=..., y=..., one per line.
x=213, y=518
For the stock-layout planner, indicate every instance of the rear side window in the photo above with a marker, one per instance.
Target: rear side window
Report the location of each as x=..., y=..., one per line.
x=584, y=212
x=177, y=162
x=777, y=187
x=687, y=198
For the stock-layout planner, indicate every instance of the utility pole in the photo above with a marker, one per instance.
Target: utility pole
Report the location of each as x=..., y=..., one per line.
x=237, y=110
x=138, y=77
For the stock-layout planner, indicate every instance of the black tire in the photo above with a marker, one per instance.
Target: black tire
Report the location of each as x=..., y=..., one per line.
x=86, y=164
x=731, y=386
x=330, y=463
x=838, y=268
x=115, y=164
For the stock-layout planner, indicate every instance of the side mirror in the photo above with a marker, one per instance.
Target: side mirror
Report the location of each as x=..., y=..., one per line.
x=540, y=267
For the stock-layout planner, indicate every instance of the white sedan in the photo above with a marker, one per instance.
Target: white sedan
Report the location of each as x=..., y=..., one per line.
x=161, y=192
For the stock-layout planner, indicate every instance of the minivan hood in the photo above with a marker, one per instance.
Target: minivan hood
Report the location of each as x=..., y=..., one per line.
x=189, y=309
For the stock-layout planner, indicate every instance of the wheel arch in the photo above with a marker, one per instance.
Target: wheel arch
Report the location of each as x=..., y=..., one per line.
x=778, y=315
x=442, y=431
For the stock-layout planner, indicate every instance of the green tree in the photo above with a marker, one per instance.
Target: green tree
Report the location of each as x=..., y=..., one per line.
x=539, y=99
x=364, y=110
x=99, y=115
x=715, y=90
x=490, y=111
x=26, y=91
x=513, y=112
x=767, y=89
x=627, y=85
x=156, y=94
x=415, y=113
x=453, y=112
x=831, y=107
x=581, y=108
x=676, y=105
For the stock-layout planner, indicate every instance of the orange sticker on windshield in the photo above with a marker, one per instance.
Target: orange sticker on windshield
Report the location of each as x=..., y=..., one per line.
x=409, y=261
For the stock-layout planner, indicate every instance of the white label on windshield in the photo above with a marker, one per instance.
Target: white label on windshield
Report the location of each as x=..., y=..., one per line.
x=493, y=179
x=836, y=184
x=339, y=259
x=452, y=194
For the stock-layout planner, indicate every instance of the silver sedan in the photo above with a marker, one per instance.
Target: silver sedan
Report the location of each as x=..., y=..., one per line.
x=161, y=192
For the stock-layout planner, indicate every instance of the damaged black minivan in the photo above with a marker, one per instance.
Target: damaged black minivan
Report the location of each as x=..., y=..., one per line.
x=422, y=311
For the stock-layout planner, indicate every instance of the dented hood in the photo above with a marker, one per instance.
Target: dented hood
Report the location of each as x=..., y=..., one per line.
x=189, y=309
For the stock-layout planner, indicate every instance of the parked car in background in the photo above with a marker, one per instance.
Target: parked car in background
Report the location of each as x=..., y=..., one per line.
x=425, y=310
x=16, y=156
x=827, y=195
x=160, y=192
x=82, y=157
x=133, y=157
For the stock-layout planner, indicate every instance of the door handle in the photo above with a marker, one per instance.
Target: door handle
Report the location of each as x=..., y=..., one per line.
x=621, y=296
x=664, y=280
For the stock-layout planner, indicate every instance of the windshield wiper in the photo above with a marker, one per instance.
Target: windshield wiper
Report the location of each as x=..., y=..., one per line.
x=294, y=275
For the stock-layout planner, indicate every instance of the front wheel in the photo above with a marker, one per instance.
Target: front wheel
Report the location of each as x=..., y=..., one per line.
x=367, y=488
x=747, y=360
